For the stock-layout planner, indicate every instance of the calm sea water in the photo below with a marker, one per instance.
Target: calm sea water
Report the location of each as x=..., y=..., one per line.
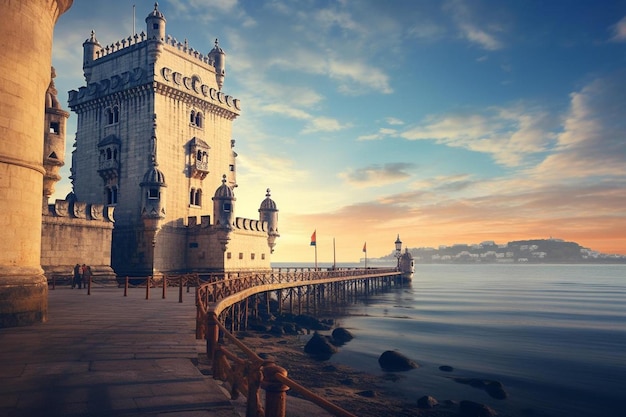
x=553, y=335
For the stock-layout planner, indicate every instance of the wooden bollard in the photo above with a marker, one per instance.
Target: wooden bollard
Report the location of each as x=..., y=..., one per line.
x=126, y=287
x=275, y=391
x=89, y=286
x=212, y=336
x=164, y=285
x=180, y=289
x=148, y=287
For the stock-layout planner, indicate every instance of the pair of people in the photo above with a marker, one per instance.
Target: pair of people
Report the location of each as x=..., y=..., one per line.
x=82, y=274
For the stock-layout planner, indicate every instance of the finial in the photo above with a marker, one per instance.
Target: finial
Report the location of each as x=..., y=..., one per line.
x=156, y=5
x=224, y=179
x=216, y=43
x=268, y=193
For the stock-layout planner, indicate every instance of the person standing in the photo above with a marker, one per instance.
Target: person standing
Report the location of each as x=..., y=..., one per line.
x=87, y=276
x=80, y=276
x=76, y=276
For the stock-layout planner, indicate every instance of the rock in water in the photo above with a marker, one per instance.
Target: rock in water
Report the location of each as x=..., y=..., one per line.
x=473, y=409
x=394, y=361
x=341, y=335
x=320, y=347
x=427, y=402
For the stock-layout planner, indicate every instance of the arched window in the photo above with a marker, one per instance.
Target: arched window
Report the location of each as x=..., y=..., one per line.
x=192, y=195
x=108, y=115
x=199, y=119
x=192, y=118
x=198, y=200
x=109, y=155
x=116, y=114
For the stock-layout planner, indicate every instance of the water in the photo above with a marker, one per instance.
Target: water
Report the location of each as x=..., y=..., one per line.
x=553, y=335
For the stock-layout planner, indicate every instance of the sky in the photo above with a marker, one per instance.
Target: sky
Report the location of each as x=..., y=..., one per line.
x=442, y=122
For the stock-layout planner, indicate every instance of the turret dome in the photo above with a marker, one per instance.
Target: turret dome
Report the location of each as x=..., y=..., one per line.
x=224, y=192
x=156, y=12
x=268, y=203
x=154, y=176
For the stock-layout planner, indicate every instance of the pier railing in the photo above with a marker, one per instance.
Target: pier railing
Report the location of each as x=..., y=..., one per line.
x=246, y=373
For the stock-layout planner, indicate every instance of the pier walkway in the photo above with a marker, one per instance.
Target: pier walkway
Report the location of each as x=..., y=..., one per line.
x=108, y=355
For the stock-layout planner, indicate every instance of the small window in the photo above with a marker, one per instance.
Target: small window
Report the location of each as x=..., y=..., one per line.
x=111, y=193
x=155, y=26
x=193, y=245
x=153, y=193
x=198, y=198
x=240, y=255
x=263, y=256
x=116, y=114
x=229, y=255
x=231, y=167
x=54, y=127
x=227, y=207
x=252, y=256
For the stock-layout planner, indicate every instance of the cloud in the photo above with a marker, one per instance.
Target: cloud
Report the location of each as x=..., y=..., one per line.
x=472, y=25
x=377, y=175
x=381, y=134
x=510, y=135
x=323, y=124
x=618, y=31
x=394, y=121
x=592, y=141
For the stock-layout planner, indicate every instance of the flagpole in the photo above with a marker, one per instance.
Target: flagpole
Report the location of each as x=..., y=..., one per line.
x=334, y=255
x=316, y=256
x=365, y=258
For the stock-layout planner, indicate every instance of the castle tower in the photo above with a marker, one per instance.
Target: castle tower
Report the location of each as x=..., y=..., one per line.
x=269, y=213
x=25, y=62
x=129, y=83
x=54, y=142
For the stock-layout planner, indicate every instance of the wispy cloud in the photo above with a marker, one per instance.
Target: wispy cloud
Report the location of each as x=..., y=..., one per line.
x=509, y=135
x=377, y=175
x=473, y=27
x=618, y=31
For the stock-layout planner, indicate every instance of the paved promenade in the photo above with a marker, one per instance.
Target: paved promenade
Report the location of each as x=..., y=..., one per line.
x=108, y=355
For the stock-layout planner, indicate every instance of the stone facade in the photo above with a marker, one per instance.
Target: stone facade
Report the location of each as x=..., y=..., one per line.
x=154, y=140
x=25, y=61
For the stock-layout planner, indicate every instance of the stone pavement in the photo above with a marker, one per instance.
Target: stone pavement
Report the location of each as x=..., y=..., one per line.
x=108, y=355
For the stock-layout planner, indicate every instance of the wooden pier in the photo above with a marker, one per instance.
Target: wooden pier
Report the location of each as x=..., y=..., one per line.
x=233, y=297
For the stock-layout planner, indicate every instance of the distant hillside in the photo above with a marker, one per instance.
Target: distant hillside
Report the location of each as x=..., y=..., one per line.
x=520, y=251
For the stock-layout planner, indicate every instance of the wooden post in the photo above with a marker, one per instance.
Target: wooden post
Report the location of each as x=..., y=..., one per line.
x=275, y=391
x=89, y=285
x=148, y=287
x=212, y=335
x=180, y=289
x=164, y=285
x=126, y=287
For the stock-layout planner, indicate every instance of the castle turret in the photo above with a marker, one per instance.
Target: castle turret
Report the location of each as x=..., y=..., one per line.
x=155, y=24
x=218, y=56
x=54, y=141
x=269, y=213
x=223, y=212
x=91, y=50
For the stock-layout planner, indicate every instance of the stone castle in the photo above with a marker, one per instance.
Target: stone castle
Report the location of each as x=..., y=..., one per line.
x=154, y=144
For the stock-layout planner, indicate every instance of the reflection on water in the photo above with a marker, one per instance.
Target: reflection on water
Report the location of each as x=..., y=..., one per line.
x=554, y=335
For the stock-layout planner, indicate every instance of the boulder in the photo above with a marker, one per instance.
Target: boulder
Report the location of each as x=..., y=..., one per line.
x=341, y=336
x=446, y=368
x=474, y=409
x=320, y=347
x=393, y=361
x=427, y=402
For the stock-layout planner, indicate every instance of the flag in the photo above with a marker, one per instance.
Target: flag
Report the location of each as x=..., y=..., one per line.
x=365, y=247
x=313, y=238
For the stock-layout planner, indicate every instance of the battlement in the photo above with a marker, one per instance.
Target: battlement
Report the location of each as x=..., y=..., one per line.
x=81, y=210
x=139, y=38
x=240, y=223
